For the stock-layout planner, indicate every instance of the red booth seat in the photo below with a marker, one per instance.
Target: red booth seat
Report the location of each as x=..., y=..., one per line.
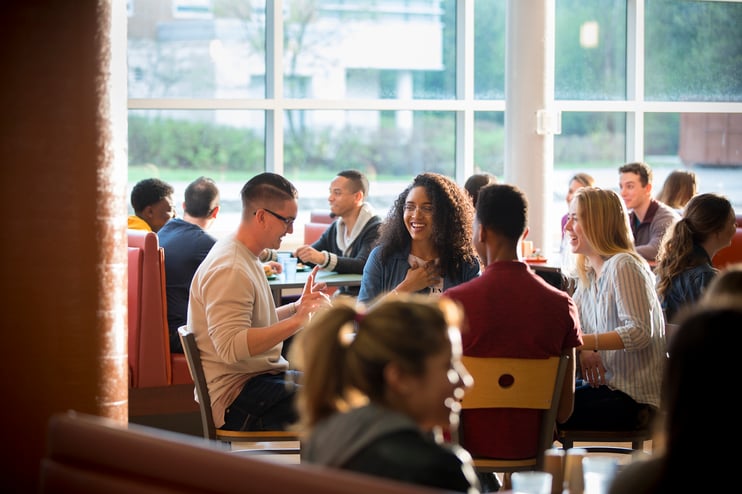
x=733, y=253
x=313, y=231
x=159, y=382
x=90, y=455
x=320, y=216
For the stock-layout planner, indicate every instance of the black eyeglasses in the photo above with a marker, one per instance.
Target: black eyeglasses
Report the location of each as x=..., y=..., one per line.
x=286, y=221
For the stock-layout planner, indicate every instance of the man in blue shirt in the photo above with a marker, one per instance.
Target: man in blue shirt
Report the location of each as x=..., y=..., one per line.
x=186, y=244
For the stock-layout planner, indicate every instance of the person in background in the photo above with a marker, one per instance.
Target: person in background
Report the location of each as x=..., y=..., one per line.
x=239, y=331
x=679, y=187
x=689, y=401
x=684, y=266
x=578, y=181
x=476, y=182
x=379, y=390
x=186, y=244
x=152, y=200
x=347, y=242
x=511, y=312
x=649, y=219
x=424, y=243
x=623, y=348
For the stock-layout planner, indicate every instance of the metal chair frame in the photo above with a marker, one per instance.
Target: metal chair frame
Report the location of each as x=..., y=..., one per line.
x=283, y=442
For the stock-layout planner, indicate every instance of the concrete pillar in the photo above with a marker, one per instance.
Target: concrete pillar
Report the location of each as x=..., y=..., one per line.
x=63, y=253
x=529, y=117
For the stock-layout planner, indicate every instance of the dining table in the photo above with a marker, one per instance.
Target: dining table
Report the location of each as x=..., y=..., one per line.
x=279, y=283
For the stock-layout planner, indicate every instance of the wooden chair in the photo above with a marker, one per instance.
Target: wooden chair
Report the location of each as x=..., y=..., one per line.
x=528, y=383
x=259, y=441
x=568, y=438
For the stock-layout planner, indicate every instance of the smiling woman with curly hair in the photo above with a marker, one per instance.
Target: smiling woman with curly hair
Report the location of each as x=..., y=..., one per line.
x=425, y=242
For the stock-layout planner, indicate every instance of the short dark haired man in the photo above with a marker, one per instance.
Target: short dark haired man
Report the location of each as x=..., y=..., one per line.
x=186, y=245
x=649, y=218
x=511, y=312
x=239, y=330
x=152, y=200
x=347, y=242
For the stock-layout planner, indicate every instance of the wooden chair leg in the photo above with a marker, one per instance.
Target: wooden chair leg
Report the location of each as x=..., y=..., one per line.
x=507, y=483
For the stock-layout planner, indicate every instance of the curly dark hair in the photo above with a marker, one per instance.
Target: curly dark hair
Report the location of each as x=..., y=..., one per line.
x=452, y=229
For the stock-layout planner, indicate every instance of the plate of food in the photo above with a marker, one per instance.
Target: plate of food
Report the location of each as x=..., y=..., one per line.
x=271, y=277
x=300, y=268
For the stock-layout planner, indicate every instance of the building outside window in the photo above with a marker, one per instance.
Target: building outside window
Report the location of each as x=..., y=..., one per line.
x=305, y=88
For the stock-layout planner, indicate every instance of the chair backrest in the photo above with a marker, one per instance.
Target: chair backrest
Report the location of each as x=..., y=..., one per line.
x=193, y=357
x=148, y=345
x=89, y=455
x=528, y=383
x=320, y=216
x=313, y=231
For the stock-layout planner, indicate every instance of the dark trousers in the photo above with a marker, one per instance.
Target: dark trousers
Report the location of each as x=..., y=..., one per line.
x=265, y=403
x=602, y=408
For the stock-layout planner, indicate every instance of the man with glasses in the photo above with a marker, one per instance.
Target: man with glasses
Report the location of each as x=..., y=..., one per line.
x=347, y=242
x=186, y=244
x=239, y=331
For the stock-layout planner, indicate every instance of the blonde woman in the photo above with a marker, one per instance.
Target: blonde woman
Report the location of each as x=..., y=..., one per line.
x=623, y=349
x=381, y=386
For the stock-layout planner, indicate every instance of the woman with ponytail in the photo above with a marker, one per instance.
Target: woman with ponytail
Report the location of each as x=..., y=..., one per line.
x=684, y=260
x=381, y=390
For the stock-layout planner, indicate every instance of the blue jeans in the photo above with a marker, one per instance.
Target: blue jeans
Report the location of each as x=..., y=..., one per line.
x=602, y=408
x=266, y=403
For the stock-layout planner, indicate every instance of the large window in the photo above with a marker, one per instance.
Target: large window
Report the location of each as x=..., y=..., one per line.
x=228, y=88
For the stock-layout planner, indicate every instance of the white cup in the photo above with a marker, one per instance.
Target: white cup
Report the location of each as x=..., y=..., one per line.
x=531, y=482
x=289, y=268
x=598, y=472
x=527, y=248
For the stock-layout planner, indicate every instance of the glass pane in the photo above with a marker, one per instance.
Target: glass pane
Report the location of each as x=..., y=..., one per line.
x=388, y=146
x=592, y=143
x=180, y=143
x=709, y=144
x=197, y=49
x=178, y=146
x=590, y=140
x=692, y=51
x=489, y=143
x=489, y=49
x=590, y=49
x=360, y=49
